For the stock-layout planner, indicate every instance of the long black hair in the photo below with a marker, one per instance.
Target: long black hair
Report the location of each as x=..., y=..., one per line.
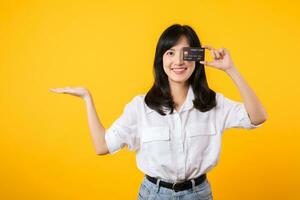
x=159, y=96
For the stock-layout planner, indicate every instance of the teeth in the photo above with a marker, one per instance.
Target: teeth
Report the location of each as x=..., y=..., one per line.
x=179, y=69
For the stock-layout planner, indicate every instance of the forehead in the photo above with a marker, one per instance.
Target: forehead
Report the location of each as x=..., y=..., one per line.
x=182, y=42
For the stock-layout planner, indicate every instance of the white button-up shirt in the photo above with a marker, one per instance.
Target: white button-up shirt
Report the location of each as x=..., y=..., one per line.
x=177, y=146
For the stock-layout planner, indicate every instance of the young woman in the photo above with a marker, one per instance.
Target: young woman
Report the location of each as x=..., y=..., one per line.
x=176, y=128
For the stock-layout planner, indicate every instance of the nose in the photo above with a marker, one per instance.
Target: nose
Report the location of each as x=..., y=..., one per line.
x=179, y=58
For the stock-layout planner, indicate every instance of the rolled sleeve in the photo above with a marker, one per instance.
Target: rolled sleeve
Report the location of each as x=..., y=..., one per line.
x=245, y=119
x=124, y=130
x=234, y=114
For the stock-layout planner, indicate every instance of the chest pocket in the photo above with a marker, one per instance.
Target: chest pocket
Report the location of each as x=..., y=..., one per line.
x=199, y=140
x=200, y=129
x=156, y=145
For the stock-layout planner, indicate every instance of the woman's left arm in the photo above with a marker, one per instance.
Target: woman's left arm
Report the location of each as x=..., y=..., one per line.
x=223, y=61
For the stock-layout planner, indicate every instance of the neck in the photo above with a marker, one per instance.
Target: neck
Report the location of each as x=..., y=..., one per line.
x=179, y=92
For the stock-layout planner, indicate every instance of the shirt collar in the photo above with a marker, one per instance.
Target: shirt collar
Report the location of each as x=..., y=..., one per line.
x=187, y=105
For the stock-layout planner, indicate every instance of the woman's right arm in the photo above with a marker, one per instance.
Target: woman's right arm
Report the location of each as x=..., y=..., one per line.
x=96, y=128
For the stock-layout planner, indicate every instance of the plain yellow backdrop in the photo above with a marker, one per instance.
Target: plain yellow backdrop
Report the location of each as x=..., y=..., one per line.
x=46, y=150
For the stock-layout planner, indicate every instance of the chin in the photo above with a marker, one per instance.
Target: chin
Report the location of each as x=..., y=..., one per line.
x=177, y=80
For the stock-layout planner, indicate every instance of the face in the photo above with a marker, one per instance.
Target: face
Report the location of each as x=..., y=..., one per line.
x=177, y=69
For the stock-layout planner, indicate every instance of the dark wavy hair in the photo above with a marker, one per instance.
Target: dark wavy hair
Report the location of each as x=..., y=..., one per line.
x=159, y=97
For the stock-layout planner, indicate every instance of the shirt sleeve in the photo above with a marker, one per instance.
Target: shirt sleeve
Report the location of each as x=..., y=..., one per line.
x=234, y=114
x=123, y=131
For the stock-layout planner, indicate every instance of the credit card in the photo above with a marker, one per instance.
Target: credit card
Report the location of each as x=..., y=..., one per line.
x=193, y=53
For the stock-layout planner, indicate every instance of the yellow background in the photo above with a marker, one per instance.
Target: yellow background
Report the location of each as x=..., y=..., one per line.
x=46, y=150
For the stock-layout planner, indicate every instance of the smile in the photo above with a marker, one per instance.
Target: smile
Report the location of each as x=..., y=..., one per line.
x=178, y=70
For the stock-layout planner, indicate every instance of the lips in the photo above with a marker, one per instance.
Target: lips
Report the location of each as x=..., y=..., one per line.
x=179, y=71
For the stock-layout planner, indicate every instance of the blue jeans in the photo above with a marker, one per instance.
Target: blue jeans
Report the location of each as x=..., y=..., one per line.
x=151, y=191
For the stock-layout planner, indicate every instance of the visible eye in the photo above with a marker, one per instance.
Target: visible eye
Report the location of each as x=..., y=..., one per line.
x=170, y=53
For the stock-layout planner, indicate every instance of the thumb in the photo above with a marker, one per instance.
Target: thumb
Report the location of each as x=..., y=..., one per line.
x=207, y=63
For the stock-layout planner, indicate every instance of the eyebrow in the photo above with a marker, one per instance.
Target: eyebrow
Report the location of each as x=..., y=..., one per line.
x=174, y=49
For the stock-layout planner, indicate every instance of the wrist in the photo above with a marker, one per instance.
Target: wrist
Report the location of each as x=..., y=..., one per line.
x=231, y=70
x=87, y=97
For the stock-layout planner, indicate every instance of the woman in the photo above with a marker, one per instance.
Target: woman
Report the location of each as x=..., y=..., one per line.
x=176, y=128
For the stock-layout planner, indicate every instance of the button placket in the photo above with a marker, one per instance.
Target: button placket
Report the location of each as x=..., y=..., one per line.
x=179, y=133
x=179, y=144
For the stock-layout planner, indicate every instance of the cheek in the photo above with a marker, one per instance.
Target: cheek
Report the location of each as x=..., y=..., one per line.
x=191, y=65
x=166, y=62
x=165, y=66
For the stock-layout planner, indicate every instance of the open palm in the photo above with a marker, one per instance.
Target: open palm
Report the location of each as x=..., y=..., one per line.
x=75, y=91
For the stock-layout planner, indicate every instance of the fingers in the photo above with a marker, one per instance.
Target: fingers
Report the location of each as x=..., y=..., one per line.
x=216, y=54
x=220, y=52
x=57, y=90
x=213, y=52
x=75, y=91
x=223, y=51
x=207, y=63
x=60, y=90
